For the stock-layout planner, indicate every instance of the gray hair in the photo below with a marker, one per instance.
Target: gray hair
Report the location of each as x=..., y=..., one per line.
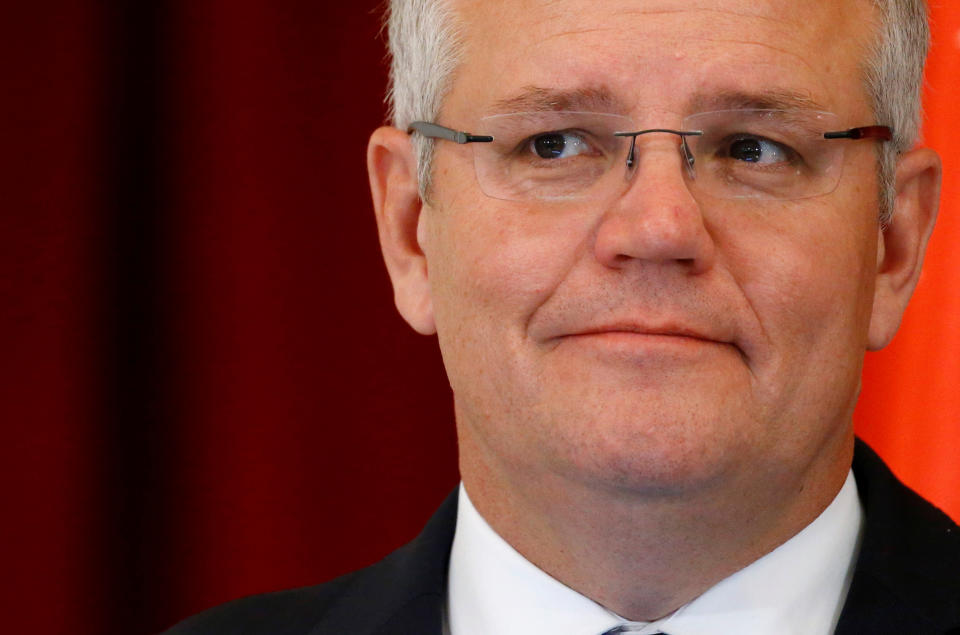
x=894, y=82
x=426, y=47
x=425, y=52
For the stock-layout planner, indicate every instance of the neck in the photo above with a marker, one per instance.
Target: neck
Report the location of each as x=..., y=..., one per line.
x=605, y=541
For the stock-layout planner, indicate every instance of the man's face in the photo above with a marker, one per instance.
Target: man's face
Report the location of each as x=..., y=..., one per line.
x=662, y=340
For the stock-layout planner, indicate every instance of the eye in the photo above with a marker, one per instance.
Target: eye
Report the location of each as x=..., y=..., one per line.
x=558, y=145
x=759, y=150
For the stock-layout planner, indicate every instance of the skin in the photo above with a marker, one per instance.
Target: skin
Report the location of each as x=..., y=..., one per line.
x=659, y=386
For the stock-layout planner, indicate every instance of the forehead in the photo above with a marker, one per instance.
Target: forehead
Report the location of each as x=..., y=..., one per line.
x=662, y=55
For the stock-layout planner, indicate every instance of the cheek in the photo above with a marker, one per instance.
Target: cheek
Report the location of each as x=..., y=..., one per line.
x=490, y=261
x=810, y=287
x=495, y=267
x=494, y=270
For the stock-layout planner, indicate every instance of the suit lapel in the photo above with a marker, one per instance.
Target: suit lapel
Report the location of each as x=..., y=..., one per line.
x=907, y=576
x=405, y=593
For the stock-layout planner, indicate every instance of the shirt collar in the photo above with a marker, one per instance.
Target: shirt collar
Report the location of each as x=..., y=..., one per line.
x=798, y=588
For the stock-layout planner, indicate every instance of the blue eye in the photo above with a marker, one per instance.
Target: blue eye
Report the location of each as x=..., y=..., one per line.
x=558, y=145
x=759, y=150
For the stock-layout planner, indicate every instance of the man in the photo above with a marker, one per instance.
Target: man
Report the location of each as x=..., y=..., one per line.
x=654, y=238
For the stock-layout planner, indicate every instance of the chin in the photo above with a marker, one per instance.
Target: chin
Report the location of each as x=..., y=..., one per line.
x=663, y=459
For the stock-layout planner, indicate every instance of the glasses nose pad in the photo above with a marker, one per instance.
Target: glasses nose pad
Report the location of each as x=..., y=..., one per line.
x=631, y=156
x=689, y=160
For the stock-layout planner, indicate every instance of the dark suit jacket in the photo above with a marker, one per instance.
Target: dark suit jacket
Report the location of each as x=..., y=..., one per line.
x=906, y=582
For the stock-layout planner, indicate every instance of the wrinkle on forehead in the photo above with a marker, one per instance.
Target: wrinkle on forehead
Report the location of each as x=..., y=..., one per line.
x=778, y=11
x=787, y=14
x=821, y=39
x=688, y=9
x=679, y=41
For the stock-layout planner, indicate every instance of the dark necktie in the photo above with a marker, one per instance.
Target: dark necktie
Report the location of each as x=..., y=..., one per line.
x=628, y=628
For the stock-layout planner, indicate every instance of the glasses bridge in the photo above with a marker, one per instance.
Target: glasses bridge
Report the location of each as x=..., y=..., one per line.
x=683, y=134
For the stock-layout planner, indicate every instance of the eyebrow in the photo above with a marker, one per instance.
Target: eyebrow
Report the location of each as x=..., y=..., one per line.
x=540, y=99
x=773, y=99
x=601, y=99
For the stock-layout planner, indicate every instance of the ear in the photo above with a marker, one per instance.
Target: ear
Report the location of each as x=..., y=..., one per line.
x=396, y=200
x=902, y=244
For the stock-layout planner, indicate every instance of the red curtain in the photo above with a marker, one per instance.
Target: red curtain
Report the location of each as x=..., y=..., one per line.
x=202, y=368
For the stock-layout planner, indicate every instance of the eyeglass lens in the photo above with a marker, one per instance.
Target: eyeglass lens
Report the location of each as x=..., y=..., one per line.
x=735, y=154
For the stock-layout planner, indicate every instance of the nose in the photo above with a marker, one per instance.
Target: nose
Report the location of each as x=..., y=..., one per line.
x=656, y=219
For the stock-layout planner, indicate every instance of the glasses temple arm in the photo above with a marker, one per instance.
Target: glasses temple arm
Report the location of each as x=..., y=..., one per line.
x=884, y=133
x=436, y=131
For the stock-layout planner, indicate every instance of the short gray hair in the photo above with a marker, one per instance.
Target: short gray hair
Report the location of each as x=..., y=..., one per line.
x=425, y=52
x=894, y=82
x=426, y=47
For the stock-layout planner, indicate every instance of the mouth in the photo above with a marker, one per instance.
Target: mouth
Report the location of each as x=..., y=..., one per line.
x=635, y=339
x=641, y=331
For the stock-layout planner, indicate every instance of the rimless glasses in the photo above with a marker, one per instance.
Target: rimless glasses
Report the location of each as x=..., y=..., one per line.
x=731, y=154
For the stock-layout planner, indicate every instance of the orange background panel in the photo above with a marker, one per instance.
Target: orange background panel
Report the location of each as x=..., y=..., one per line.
x=909, y=410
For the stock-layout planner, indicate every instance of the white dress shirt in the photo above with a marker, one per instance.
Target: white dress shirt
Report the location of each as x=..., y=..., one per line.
x=797, y=589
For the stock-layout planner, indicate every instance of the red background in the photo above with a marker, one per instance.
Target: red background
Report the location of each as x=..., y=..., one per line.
x=202, y=368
